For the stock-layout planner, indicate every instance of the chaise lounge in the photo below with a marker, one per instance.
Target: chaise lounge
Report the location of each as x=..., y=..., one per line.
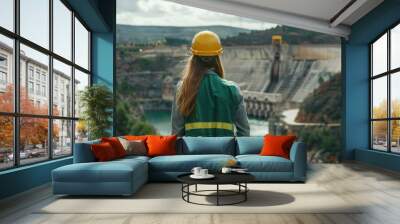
x=125, y=176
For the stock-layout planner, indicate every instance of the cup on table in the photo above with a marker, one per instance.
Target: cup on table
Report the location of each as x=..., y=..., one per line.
x=203, y=172
x=196, y=171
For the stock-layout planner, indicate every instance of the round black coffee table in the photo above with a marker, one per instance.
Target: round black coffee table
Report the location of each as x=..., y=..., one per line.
x=238, y=179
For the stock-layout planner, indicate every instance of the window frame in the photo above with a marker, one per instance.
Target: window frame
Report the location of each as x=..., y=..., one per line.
x=388, y=74
x=16, y=115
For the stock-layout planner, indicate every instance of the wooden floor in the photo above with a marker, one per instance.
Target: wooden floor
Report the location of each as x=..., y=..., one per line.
x=379, y=189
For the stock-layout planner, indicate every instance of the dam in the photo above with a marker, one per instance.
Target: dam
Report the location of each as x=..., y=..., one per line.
x=269, y=88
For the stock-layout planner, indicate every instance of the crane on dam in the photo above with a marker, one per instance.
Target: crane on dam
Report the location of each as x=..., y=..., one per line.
x=276, y=47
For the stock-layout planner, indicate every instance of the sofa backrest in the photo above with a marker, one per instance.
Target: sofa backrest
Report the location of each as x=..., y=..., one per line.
x=190, y=146
x=249, y=145
x=83, y=153
x=206, y=145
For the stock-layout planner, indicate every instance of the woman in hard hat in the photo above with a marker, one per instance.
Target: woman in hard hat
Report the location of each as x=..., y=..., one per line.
x=206, y=104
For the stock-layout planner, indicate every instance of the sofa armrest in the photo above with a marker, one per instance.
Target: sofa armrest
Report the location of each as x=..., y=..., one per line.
x=83, y=152
x=298, y=155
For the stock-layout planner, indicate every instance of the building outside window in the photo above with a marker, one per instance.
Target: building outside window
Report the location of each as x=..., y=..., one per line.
x=38, y=89
x=37, y=75
x=3, y=77
x=44, y=77
x=30, y=72
x=59, y=127
x=3, y=72
x=30, y=87
x=43, y=90
x=385, y=92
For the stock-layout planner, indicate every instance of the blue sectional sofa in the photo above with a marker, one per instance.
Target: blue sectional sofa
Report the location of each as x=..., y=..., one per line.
x=125, y=176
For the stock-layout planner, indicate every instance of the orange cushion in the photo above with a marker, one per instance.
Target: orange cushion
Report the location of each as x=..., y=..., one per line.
x=161, y=145
x=116, y=145
x=103, y=152
x=135, y=137
x=277, y=145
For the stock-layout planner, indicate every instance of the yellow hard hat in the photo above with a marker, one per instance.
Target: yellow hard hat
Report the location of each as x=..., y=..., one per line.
x=206, y=43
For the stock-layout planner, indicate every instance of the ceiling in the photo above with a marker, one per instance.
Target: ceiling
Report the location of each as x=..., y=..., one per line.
x=326, y=16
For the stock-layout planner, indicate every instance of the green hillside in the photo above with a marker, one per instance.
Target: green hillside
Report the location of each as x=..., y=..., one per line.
x=323, y=105
x=151, y=34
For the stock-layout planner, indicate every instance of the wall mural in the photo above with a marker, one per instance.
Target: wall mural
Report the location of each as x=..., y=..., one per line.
x=290, y=78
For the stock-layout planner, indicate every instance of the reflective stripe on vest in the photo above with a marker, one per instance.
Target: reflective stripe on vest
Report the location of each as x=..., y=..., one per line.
x=209, y=125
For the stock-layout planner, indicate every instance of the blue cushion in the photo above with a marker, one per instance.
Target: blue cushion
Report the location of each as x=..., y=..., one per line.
x=185, y=163
x=249, y=145
x=257, y=163
x=208, y=145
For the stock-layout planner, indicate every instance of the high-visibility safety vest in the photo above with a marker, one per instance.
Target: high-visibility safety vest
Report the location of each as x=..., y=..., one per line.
x=216, y=104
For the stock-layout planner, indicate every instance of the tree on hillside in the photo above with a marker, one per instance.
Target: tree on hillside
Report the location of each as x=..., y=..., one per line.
x=128, y=124
x=323, y=104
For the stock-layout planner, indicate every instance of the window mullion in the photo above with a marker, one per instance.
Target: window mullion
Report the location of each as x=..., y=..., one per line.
x=389, y=113
x=16, y=85
x=73, y=82
x=50, y=81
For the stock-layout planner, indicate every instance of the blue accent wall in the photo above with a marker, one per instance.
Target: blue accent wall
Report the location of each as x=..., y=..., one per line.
x=102, y=58
x=24, y=178
x=99, y=16
x=355, y=70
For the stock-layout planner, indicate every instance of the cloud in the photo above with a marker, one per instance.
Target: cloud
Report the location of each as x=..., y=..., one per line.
x=164, y=13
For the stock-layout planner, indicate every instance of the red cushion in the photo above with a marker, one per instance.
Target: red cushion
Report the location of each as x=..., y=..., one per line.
x=103, y=152
x=277, y=145
x=161, y=145
x=116, y=145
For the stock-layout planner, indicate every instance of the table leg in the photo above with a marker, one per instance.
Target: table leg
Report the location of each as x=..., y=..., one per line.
x=217, y=194
x=195, y=188
x=188, y=190
x=245, y=193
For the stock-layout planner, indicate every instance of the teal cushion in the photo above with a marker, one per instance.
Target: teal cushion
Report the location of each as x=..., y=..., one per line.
x=257, y=163
x=185, y=163
x=208, y=145
x=249, y=145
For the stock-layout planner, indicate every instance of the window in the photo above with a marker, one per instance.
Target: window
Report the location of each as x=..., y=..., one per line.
x=81, y=82
x=3, y=61
x=35, y=21
x=37, y=89
x=3, y=78
x=7, y=142
x=385, y=94
x=44, y=91
x=61, y=74
x=30, y=88
x=6, y=73
x=45, y=117
x=62, y=137
x=7, y=14
x=30, y=72
x=37, y=74
x=3, y=73
x=62, y=31
x=81, y=45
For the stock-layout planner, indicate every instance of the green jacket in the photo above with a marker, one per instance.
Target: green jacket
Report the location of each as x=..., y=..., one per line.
x=219, y=110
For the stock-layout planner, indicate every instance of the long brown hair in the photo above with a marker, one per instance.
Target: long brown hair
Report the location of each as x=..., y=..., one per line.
x=192, y=75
